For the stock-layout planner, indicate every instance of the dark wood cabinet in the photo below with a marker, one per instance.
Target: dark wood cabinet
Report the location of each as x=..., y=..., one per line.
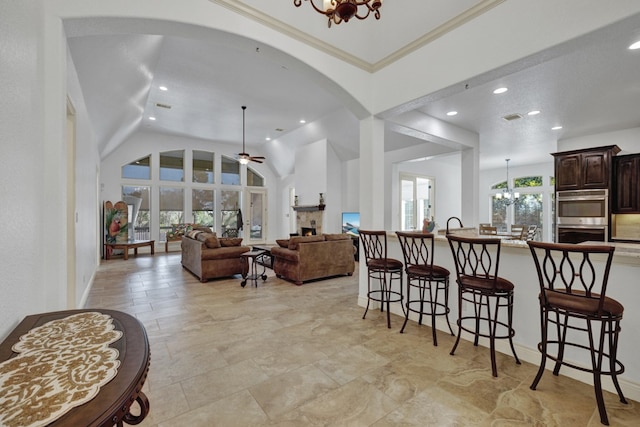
x=626, y=194
x=584, y=169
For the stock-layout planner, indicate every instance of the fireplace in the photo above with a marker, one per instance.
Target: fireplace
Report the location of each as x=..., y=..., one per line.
x=307, y=231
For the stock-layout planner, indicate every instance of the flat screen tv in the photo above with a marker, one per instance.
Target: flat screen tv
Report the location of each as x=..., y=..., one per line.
x=351, y=222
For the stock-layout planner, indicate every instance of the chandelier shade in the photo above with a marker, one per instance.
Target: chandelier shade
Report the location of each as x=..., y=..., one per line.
x=337, y=11
x=507, y=195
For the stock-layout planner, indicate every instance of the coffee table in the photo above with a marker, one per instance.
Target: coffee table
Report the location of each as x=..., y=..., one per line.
x=111, y=406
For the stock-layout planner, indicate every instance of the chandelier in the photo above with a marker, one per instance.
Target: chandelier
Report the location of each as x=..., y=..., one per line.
x=342, y=10
x=508, y=196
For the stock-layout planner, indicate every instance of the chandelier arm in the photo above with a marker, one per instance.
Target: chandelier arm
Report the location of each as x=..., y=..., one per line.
x=298, y=3
x=333, y=16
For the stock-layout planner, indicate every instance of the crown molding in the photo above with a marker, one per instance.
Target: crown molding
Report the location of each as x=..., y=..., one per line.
x=258, y=16
x=438, y=32
x=284, y=28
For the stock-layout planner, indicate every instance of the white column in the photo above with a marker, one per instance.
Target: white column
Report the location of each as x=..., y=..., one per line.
x=372, y=185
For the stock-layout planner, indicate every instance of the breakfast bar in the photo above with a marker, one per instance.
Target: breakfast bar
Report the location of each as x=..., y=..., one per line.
x=517, y=266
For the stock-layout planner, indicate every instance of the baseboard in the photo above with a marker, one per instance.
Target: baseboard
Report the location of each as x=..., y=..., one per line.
x=630, y=389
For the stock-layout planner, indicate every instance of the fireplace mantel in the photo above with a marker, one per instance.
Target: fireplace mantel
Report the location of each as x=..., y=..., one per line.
x=308, y=208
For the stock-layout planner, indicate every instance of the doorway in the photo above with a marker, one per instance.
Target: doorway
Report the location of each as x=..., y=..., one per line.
x=257, y=203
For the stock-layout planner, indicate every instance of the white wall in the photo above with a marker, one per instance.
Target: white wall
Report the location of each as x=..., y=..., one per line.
x=333, y=198
x=87, y=220
x=351, y=186
x=627, y=139
x=143, y=143
x=21, y=165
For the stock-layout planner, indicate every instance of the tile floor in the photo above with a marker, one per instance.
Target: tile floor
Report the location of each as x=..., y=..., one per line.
x=286, y=355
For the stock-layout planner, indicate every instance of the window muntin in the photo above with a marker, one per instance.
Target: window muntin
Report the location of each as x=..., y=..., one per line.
x=202, y=166
x=202, y=207
x=172, y=166
x=229, y=212
x=142, y=221
x=230, y=173
x=171, y=209
x=138, y=169
x=529, y=210
x=254, y=179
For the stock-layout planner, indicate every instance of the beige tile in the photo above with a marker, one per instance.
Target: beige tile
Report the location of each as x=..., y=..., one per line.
x=293, y=356
x=239, y=409
x=284, y=393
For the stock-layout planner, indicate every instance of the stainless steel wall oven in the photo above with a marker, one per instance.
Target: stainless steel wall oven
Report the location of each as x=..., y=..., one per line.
x=582, y=215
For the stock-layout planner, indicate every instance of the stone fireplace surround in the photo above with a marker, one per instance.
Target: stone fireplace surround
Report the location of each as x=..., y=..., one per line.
x=309, y=217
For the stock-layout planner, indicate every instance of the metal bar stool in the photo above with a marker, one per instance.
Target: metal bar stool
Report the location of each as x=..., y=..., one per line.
x=477, y=261
x=573, y=299
x=382, y=269
x=428, y=279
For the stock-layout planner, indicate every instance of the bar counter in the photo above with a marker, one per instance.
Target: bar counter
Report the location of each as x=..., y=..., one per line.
x=516, y=265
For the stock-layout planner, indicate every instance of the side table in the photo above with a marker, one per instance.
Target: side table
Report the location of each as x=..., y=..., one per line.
x=111, y=406
x=251, y=260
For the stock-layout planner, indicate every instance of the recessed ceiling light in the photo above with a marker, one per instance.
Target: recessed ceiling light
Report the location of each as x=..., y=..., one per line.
x=556, y=128
x=500, y=90
x=303, y=121
x=452, y=113
x=163, y=88
x=635, y=46
x=268, y=138
x=533, y=113
x=152, y=118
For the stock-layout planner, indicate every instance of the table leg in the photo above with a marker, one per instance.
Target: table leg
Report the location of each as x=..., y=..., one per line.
x=153, y=249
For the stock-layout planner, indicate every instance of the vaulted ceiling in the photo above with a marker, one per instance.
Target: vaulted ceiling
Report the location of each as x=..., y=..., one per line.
x=587, y=85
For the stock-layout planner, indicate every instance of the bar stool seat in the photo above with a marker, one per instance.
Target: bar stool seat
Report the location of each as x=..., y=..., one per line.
x=572, y=291
x=381, y=269
x=429, y=280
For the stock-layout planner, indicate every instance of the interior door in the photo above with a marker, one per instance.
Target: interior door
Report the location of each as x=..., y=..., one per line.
x=256, y=222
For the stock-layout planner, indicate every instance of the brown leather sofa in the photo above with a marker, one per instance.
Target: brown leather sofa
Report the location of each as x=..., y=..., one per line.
x=209, y=257
x=307, y=258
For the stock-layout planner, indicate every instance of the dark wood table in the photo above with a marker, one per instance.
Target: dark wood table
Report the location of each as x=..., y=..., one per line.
x=134, y=244
x=113, y=403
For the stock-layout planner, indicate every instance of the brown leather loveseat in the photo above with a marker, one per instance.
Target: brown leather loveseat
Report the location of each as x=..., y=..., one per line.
x=208, y=257
x=306, y=258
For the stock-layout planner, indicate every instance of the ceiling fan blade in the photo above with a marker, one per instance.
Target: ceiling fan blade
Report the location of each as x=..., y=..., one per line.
x=257, y=157
x=253, y=159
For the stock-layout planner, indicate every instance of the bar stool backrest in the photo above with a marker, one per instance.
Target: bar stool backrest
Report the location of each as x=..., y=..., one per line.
x=417, y=248
x=374, y=244
x=475, y=257
x=567, y=269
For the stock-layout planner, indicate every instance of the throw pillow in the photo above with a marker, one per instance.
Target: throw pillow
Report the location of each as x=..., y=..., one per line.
x=209, y=239
x=193, y=234
x=294, y=241
x=230, y=241
x=283, y=243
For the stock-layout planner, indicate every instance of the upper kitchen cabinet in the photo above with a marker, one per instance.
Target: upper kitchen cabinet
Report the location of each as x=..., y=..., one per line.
x=584, y=169
x=626, y=194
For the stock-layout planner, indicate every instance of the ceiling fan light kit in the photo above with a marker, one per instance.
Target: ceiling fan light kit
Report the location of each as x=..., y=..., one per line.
x=244, y=157
x=337, y=11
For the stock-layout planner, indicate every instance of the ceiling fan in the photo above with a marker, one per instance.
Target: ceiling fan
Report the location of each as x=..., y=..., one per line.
x=244, y=157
